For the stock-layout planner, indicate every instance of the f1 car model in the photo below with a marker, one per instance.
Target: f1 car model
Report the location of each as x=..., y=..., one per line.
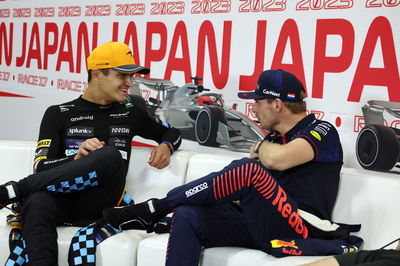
x=377, y=145
x=201, y=116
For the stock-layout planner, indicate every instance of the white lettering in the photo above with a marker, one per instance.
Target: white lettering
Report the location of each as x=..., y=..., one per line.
x=276, y=94
x=196, y=189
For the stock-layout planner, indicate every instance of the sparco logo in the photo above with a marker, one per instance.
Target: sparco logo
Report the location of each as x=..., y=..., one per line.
x=120, y=130
x=88, y=117
x=276, y=94
x=196, y=189
x=80, y=131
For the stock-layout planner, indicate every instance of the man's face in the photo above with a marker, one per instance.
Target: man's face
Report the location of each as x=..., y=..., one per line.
x=114, y=87
x=265, y=113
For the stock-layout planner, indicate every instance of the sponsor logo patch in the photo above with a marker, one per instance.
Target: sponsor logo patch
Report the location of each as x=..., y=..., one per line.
x=80, y=118
x=196, y=189
x=44, y=143
x=272, y=93
x=41, y=152
x=120, y=115
x=73, y=143
x=65, y=108
x=80, y=131
x=291, y=95
x=322, y=128
x=69, y=152
x=119, y=143
x=39, y=158
x=115, y=130
x=276, y=243
x=315, y=134
x=128, y=105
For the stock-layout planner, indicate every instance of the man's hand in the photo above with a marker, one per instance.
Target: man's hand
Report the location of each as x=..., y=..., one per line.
x=398, y=246
x=88, y=146
x=160, y=156
x=253, y=155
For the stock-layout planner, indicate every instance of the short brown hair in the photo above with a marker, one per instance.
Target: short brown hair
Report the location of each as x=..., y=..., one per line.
x=104, y=70
x=294, y=107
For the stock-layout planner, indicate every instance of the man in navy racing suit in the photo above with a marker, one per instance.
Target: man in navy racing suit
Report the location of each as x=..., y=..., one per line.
x=83, y=152
x=290, y=176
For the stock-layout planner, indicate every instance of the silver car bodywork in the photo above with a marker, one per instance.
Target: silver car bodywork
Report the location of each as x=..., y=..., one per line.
x=200, y=116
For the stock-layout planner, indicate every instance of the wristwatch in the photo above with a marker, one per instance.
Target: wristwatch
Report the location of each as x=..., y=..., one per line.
x=170, y=146
x=257, y=146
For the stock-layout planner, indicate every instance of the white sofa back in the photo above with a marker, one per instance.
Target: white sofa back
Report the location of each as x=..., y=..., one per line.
x=371, y=199
x=16, y=159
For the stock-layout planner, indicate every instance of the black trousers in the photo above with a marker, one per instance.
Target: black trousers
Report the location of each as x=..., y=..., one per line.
x=380, y=257
x=75, y=192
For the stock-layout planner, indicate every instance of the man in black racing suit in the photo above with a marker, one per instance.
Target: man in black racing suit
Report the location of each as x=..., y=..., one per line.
x=83, y=153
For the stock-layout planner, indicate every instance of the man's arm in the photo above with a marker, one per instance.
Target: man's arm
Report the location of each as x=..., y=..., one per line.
x=161, y=154
x=331, y=261
x=169, y=139
x=284, y=156
x=47, y=153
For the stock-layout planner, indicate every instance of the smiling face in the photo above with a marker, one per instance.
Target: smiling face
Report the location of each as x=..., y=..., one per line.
x=113, y=87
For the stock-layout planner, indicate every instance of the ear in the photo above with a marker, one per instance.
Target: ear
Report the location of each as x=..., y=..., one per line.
x=95, y=73
x=278, y=105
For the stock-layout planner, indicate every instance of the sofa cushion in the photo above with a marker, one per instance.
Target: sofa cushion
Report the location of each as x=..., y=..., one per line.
x=369, y=198
x=144, y=181
x=202, y=164
x=152, y=252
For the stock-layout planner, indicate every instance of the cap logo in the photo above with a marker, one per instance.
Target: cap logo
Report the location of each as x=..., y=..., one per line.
x=291, y=95
x=272, y=93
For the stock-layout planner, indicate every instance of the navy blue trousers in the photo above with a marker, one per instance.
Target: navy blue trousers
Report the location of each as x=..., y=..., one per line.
x=206, y=216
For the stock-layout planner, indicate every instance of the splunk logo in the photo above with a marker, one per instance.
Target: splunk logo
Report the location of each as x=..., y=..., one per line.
x=80, y=131
x=196, y=189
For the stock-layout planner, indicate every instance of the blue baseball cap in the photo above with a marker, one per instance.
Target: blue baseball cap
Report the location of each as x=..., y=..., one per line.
x=276, y=84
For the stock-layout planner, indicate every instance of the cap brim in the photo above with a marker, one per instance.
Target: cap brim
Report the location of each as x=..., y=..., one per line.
x=132, y=69
x=250, y=95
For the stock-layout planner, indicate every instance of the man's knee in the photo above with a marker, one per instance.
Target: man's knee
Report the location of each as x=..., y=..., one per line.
x=186, y=215
x=109, y=154
x=41, y=205
x=245, y=161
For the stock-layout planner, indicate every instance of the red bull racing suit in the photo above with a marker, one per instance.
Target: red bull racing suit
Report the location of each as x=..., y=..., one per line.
x=205, y=214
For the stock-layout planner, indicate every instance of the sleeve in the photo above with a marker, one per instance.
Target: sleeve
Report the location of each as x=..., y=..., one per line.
x=324, y=139
x=160, y=132
x=48, y=153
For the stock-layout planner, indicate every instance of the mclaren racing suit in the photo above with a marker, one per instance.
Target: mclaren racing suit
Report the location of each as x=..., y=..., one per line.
x=64, y=190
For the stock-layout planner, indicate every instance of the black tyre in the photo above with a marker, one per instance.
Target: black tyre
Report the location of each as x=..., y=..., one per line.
x=377, y=148
x=206, y=127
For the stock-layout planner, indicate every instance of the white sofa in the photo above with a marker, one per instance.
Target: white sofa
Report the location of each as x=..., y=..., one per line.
x=365, y=197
